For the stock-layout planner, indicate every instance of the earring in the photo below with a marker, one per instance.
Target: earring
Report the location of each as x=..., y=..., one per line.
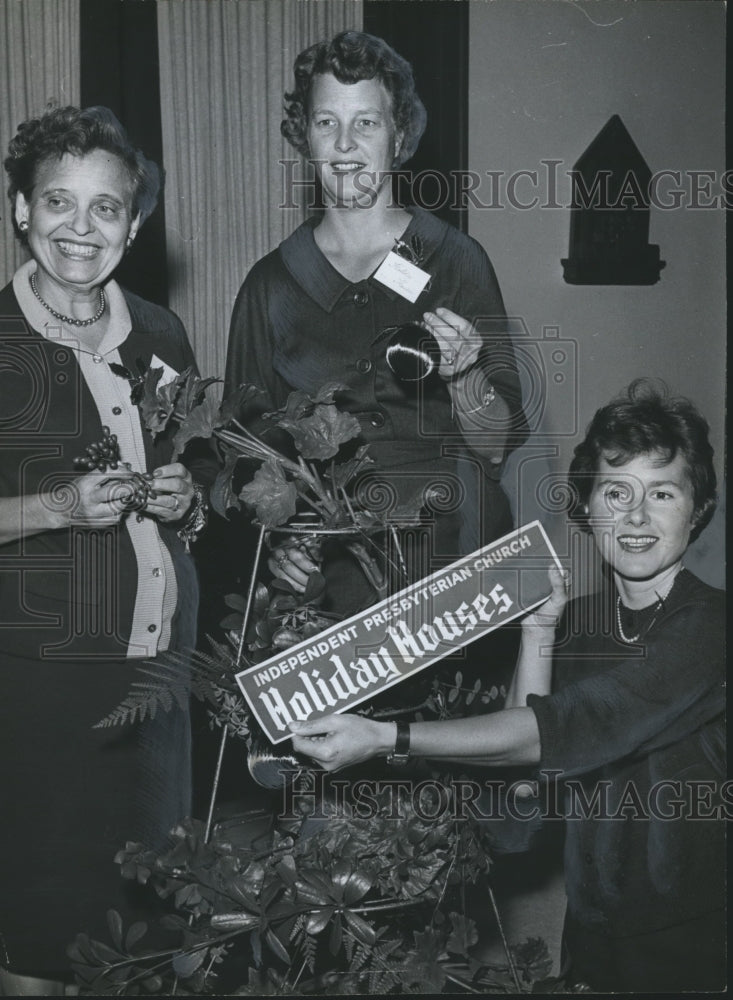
x=23, y=225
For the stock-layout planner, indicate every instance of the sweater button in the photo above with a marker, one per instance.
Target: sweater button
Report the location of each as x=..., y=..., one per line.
x=117, y=410
x=363, y=365
x=361, y=298
x=152, y=628
x=377, y=420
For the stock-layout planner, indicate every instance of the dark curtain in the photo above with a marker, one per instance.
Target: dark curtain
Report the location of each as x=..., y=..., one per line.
x=433, y=36
x=119, y=69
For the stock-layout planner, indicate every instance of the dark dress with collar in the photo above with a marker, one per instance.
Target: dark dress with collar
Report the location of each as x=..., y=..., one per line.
x=73, y=795
x=298, y=323
x=636, y=733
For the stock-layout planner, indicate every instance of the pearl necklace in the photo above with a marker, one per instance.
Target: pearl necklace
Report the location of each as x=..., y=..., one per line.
x=631, y=639
x=70, y=320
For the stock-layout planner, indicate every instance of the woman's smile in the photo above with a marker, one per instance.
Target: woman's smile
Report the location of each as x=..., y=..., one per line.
x=641, y=514
x=634, y=543
x=78, y=251
x=79, y=218
x=351, y=134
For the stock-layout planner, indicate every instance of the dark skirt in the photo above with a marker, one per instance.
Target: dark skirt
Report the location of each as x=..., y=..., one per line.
x=687, y=957
x=72, y=796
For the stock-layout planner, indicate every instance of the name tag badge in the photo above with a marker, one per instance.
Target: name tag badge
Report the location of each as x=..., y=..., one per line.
x=168, y=373
x=401, y=276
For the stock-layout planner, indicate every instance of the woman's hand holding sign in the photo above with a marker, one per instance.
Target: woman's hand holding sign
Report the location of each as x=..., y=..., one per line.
x=337, y=741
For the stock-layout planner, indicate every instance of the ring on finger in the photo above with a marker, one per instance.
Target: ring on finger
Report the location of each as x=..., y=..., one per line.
x=450, y=357
x=281, y=559
x=176, y=503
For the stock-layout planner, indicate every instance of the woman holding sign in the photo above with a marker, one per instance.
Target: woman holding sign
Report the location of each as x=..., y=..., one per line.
x=328, y=303
x=629, y=711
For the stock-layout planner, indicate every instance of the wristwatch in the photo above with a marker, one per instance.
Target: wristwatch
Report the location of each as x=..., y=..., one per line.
x=401, y=753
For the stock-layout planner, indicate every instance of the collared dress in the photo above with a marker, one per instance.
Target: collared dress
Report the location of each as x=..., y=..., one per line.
x=79, y=608
x=636, y=735
x=298, y=323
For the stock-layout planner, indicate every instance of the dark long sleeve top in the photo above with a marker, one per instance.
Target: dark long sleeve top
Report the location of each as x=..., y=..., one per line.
x=641, y=728
x=298, y=323
x=78, y=592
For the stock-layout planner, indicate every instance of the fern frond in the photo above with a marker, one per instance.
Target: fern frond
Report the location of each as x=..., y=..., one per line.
x=362, y=954
x=310, y=946
x=172, y=678
x=297, y=931
x=382, y=981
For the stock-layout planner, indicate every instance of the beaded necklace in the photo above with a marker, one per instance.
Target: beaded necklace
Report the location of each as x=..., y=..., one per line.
x=631, y=639
x=70, y=320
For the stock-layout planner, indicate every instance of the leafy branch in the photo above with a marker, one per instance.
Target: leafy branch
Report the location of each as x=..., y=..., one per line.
x=365, y=904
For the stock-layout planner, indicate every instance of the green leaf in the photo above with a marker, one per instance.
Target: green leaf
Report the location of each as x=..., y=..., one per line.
x=167, y=400
x=237, y=602
x=357, y=886
x=297, y=405
x=361, y=930
x=270, y=894
x=314, y=887
x=314, y=588
x=277, y=946
x=320, y=435
x=316, y=922
x=136, y=933
x=344, y=472
x=192, y=391
x=221, y=495
x=231, y=622
x=121, y=371
x=408, y=511
x=271, y=494
x=329, y=390
x=283, y=638
x=336, y=936
x=114, y=922
x=533, y=957
x=287, y=870
x=148, y=393
x=233, y=404
x=186, y=963
x=463, y=934
x=199, y=423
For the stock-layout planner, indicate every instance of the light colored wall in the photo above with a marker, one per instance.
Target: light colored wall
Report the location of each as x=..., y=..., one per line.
x=545, y=76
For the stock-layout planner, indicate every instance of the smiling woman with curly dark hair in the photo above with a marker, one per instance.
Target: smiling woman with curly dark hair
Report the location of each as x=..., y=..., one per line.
x=350, y=57
x=101, y=577
x=620, y=696
x=324, y=305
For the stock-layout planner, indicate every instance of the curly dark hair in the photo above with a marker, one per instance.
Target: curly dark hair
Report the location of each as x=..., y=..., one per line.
x=352, y=56
x=78, y=131
x=641, y=420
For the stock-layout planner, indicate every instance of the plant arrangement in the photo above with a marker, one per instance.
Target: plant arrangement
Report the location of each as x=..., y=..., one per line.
x=360, y=903
x=369, y=903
